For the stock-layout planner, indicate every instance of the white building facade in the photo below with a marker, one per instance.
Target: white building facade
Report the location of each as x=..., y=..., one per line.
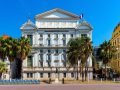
x=49, y=36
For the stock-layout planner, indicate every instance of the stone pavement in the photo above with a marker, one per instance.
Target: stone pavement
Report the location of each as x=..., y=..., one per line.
x=62, y=87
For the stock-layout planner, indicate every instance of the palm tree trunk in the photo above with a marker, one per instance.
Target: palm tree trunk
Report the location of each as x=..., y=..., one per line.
x=17, y=69
x=85, y=73
x=10, y=74
x=0, y=75
x=82, y=73
x=77, y=73
x=105, y=72
x=74, y=72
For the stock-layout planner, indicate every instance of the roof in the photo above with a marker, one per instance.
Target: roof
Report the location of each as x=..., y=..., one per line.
x=57, y=10
x=5, y=36
x=28, y=25
x=84, y=23
x=116, y=27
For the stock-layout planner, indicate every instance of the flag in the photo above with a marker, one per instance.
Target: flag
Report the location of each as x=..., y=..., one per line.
x=81, y=16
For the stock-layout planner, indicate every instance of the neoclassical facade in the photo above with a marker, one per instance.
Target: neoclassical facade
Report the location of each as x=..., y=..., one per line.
x=49, y=36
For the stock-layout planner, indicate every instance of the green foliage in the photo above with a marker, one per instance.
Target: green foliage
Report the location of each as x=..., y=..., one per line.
x=79, y=49
x=106, y=51
x=14, y=48
x=3, y=67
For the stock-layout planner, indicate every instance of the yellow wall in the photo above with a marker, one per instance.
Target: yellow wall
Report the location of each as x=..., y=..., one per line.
x=115, y=41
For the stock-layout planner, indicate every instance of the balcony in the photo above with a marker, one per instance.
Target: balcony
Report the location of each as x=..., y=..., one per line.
x=50, y=69
x=41, y=38
x=41, y=60
x=49, y=46
x=41, y=44
x=48, y=38
x=56, y=38
x=64, y=38
x=56, y=60
x=56, y=45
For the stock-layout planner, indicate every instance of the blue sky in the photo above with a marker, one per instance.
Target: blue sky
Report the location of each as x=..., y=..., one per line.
x=103, y=15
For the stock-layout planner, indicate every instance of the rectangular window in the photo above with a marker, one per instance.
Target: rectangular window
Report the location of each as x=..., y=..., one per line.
x=49, y=51
x=56, y=51
x=64, y=75
x=31, y=39
x=56, y=42
x=49, y=60
x=41, y=51
x=40, y=63
x=41, y=57
x=64, y=51
x=29, y=75
x=64, y=36
x=83, y=35
x=29, y=61
x=56, y=35
x=64, y=56
x=72, y=75
x=48, y=35
x=49, y=57
x=49, y=43
x=49, y=75
x=41, y=35
x=71, y=35
x=41, y=60
x=64, y=42
x=41, y=75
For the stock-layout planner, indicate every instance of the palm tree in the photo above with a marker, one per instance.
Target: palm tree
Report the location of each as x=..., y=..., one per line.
x=21, y=49
x=6, y=49
x=3, y=48
x=106, y=53
x=73, y=53
x=16, y=50
x=85, y=52
x=3, y=68
x=79, y=49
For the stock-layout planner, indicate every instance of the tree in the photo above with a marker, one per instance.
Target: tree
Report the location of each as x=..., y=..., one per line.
x=3, y=68
x=16, y=50
x=3, y=48
x=21, y=49
x=85, y=52
x=106, y=53
x=79, y=49
x=73, y=53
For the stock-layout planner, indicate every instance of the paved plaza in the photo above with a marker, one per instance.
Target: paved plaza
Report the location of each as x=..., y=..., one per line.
x=62, y=87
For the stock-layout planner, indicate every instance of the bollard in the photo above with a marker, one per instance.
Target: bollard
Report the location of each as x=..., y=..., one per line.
x=101, y=80
x=114, y=79
x=63, y=81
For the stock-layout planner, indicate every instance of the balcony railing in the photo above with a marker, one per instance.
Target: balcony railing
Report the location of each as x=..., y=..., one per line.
x=56, y=38
x=41, y=38
x=51, y=45
x=64, y=38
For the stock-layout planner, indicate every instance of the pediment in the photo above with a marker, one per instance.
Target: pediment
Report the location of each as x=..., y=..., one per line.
x=84, y=27
x=28, y=27
x=56, y=13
